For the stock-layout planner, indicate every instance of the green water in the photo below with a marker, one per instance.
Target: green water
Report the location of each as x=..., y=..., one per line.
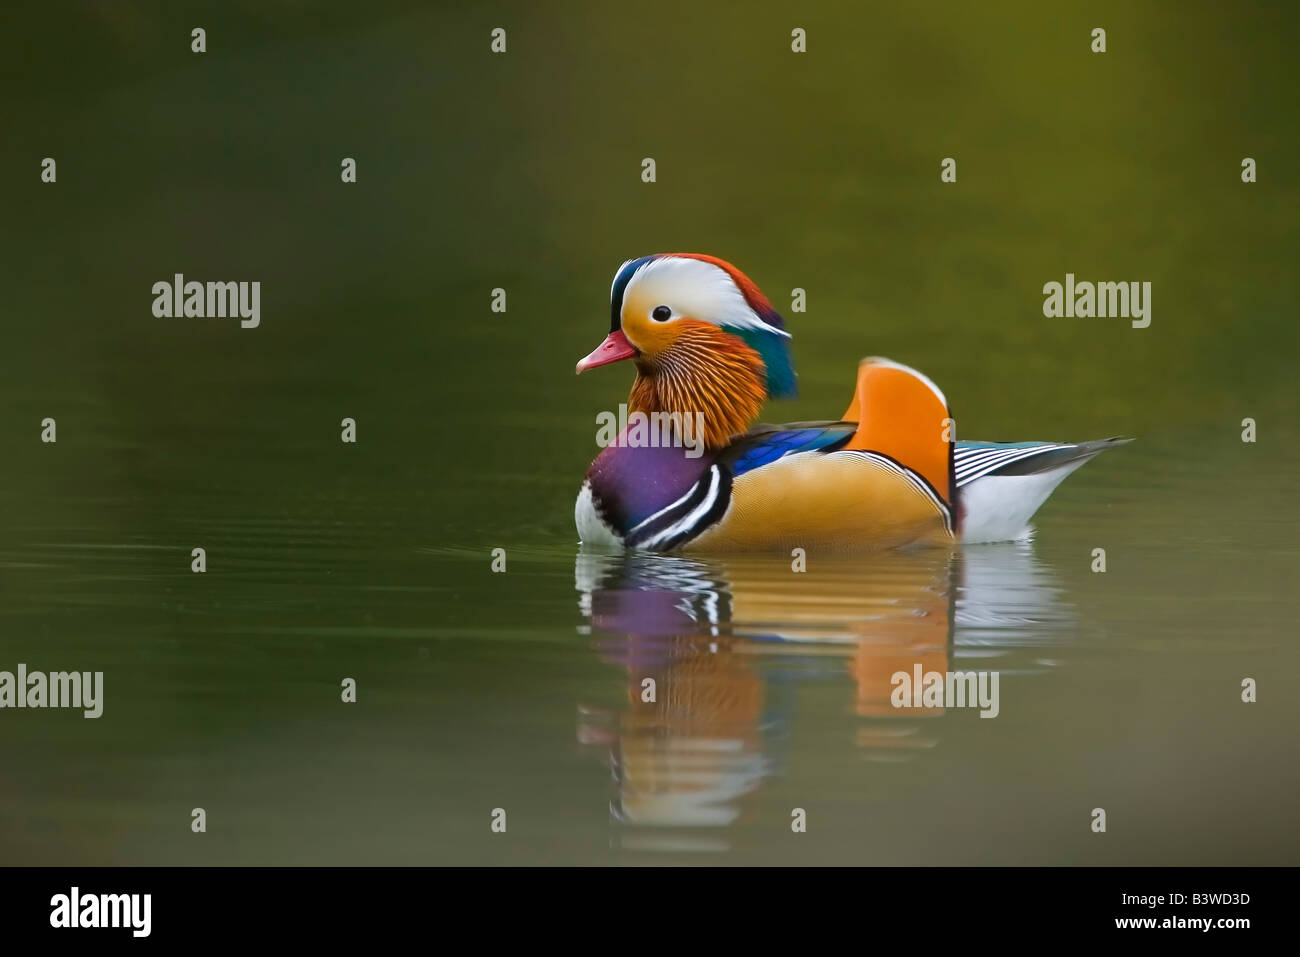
x=522, y=691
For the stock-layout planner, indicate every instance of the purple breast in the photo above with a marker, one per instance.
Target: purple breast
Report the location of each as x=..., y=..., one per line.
x=632, y=483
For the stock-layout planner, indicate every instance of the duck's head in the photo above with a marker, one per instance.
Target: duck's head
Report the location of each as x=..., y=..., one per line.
x=703, y=339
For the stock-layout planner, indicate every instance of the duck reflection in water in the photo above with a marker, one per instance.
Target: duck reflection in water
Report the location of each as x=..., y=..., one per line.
x=714, y=653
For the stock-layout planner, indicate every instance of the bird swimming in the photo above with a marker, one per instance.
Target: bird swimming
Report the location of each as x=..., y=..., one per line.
x=709, y=348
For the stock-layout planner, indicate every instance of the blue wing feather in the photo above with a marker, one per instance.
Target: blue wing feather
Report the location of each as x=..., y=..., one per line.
x=756, y=449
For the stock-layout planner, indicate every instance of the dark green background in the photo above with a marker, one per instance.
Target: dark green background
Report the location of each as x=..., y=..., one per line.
x=522, y=171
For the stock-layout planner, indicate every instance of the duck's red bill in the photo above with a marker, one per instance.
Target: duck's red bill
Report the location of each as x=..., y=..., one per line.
x=614, y=348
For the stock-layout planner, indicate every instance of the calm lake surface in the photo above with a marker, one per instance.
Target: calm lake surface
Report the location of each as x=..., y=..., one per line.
x=522, y=690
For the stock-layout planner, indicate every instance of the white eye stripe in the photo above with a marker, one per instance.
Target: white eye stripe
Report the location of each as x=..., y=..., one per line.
x=699, y=289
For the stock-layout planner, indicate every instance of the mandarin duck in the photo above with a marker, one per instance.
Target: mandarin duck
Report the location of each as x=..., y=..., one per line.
x=709, y=350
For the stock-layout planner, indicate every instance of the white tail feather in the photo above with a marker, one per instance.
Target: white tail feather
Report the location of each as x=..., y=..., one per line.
x=997, y=508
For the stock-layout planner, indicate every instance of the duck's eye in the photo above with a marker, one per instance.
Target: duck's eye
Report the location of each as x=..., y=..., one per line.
x=661, y=314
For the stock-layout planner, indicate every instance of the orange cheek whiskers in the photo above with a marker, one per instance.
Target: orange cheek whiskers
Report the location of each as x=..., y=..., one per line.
x=703, y=370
